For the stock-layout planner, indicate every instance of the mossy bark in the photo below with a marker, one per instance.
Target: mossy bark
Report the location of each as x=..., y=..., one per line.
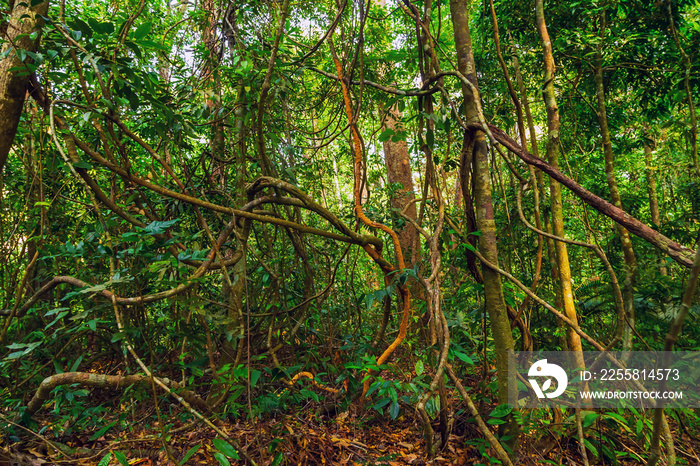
x=573, y=339
x=488, y=244
x=13, y=78
x=623, y=234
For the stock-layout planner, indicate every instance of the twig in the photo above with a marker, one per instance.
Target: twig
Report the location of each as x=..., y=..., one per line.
x=48, y=442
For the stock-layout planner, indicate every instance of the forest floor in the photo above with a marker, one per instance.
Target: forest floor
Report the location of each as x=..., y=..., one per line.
x=301, y=438
x=110, y=427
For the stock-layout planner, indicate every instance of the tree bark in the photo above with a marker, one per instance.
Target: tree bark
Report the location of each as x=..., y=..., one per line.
x=573, y=339
x=232, y=279
x=649, y=167
x=679, y=253
x=540, y=192
x=88, y=379
x=13, y=76
x=651, y=182
x=627, y=249
x=398, y=170
x=476, y=140
x=687, y=61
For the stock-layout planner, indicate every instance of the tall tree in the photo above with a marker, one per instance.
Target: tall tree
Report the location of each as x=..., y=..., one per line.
x=400, y=179
x=611, y=177
x=477, y=160
x=21, y=35
x=574, y=340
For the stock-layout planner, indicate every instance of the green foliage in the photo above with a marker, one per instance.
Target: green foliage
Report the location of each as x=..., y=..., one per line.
x=177, y=120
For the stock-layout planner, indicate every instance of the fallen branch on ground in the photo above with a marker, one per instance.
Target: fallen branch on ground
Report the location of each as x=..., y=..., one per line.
x=105, y=381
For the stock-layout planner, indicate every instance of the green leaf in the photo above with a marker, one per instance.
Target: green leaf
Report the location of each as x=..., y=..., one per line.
x=105, y=461
x=121, y=457
x=394, y=410
x=190, y=453
x=142, y=31
x=54, y=311
x=502, y=410
x=225, y=448
x=80, y=27
x=309, y=394
x=254, y=376
x=399, y=136
x=369, y=300
x=589, y=419
x=76, y=364
x=158, y=266
x=83, y=164
x=17, y=345
x=60, y=316
x=386, y=135
x=134, y=48
x=42, y=204
x=149, y=44
x=278, y=459
x=590, y=446
x=221, y=459
x=95, y=289
x=372, y=388
x=102, y=431
x=381, y=403
x=464, y=358
x=619, y=419
x=419, y=367
x=101, y=28
x=158, y=228
x=29, y=347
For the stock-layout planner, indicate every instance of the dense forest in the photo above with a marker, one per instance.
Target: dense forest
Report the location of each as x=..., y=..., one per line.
x=314, y=232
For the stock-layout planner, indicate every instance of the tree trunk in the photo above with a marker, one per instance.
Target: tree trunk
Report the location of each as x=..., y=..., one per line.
x=649, y=145
x=687, y=61
x=476, y=141
x=398, y=169
x=651, y=182
x=233, y=279
x=13, y=82
x=627, y=250
x=573, y=339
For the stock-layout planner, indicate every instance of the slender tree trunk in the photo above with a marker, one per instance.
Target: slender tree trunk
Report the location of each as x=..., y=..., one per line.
x=649, y=146
x=541, y=190
x=476, y=141
x=687, y=61
x=232, y=279
x=13, y=79
x=213, y=102
x=573, y=339
x=627, y=250
x=651, y=182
